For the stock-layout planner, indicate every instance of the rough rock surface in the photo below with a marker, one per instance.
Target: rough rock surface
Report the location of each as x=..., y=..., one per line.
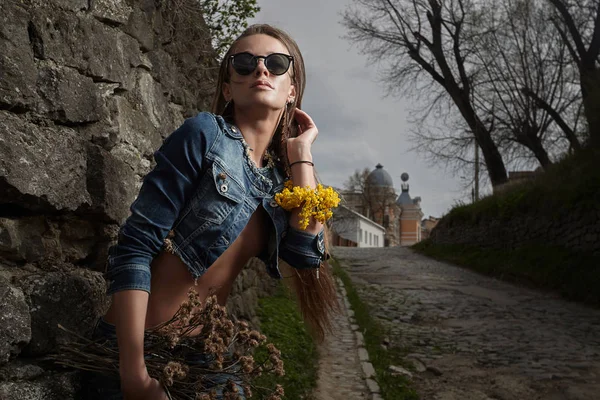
x=75, y=299
x=48, y=387
x=15, y=321
x=41, y=165
x=575, y=227
x=88, y=91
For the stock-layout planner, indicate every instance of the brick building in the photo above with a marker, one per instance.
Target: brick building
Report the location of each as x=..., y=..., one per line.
x=400, y=216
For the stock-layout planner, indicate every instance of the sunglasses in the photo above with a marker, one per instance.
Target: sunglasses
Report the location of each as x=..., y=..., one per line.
x=276, y=63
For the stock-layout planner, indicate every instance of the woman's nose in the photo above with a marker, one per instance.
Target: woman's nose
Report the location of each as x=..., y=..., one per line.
x=261, y=68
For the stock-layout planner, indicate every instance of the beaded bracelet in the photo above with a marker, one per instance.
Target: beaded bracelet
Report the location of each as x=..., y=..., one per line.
x=316, y=202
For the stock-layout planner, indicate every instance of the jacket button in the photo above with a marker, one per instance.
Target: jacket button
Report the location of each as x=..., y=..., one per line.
x=321, y=245
x=222, y=176
x=224, y=188
x=273, y=203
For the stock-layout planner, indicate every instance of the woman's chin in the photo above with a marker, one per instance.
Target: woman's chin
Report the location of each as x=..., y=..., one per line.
x=261, y=104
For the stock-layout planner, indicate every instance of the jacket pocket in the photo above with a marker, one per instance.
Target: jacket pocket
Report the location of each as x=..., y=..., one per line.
x=218, y=195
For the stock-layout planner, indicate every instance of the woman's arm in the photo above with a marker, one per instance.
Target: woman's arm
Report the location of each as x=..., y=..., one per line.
x=303, y=248
x=165, y=191
x=135, y=380
x=303, y=175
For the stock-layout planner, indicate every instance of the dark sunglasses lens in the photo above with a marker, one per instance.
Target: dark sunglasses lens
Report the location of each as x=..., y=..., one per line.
x=243, y=63
x=277, y=64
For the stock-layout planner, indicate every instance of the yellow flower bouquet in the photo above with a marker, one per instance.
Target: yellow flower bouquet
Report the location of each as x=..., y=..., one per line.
x=315, y=202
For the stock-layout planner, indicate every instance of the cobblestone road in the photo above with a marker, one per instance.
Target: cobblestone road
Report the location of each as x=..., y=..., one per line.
x=340, y=374
x=474, y=337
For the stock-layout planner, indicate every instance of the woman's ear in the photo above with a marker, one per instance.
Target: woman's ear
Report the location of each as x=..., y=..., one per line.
x=292, y=94
x=226, y=91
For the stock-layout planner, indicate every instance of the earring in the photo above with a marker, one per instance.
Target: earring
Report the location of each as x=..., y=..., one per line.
x=227, y=103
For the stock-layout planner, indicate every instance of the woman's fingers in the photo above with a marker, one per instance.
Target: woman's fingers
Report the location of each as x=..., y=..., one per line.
x=303, y=119
x=305, y=124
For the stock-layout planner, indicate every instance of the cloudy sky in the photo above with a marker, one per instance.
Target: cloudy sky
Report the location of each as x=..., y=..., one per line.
x=358, y=126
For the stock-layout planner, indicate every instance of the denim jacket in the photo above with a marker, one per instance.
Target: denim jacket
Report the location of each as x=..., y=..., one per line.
x=196, y=201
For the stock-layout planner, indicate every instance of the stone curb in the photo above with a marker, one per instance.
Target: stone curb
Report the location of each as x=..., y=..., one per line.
x=363, y=355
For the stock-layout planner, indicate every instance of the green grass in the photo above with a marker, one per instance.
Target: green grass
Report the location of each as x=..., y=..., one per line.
x=392, y=387
x=573, y=184
x=574, y=275
x=281, y=322
x=574, y=180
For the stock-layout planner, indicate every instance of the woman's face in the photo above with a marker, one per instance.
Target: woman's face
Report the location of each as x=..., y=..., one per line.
x=260, y=88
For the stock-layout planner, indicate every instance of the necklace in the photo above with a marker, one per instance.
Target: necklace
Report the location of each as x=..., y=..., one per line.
x=268, y=157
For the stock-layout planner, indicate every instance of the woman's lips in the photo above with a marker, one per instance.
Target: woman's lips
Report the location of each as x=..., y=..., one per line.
x=262, y=84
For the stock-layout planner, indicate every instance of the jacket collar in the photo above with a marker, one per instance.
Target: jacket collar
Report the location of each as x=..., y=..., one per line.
x=230, y=129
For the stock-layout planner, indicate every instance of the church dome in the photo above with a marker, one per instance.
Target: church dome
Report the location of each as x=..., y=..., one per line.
x=380, y=177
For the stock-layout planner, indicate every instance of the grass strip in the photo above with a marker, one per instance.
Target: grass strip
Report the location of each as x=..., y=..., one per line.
x=392, y=387
x=281, y=322
x=572, y=183
x=574, y=275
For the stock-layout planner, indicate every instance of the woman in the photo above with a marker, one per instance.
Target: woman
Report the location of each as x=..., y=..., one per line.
x=208, y=206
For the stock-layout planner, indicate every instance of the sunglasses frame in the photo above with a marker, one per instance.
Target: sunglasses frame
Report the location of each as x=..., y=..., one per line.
x=265, y=58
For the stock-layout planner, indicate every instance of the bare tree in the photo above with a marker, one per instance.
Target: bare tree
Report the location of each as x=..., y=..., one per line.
x=357, y=181
x=431, y=39
x=578, y=24
x=528, y=81
x=345, y=224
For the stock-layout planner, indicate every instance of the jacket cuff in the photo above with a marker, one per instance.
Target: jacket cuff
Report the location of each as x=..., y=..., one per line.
x=130, y=277
x=302, y=250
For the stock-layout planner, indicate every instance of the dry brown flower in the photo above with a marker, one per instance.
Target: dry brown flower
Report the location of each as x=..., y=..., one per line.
x=273, y=350
x=196, y=328
x=279, y=390
x=247, y=363
x=248, y=391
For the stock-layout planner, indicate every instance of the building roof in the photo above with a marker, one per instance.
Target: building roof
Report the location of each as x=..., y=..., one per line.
x=404, y=198
x=360, y=216
x=380, y=177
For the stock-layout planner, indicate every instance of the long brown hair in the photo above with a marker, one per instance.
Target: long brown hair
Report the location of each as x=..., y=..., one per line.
x=317, y=298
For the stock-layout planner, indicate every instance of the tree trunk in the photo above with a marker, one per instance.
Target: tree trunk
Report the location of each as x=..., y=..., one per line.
x=534, y=143
x=491, y=155
x=542, y=155
x=590, y=91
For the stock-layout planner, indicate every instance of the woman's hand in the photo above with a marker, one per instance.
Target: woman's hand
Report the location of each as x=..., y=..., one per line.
x=142, y=388
x=299, y=148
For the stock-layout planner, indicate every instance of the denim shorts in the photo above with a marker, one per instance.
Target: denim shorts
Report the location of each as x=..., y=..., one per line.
x=101, y=387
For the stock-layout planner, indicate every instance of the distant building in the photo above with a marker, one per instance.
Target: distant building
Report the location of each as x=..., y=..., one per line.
x=352, y=229
x=399, y=216
x=410, y=215
x=427, y=226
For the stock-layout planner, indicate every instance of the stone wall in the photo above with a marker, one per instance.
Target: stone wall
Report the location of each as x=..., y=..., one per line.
x=88, y=90
x=575, y=227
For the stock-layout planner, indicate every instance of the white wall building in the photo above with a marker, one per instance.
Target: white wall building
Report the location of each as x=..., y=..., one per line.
x=357, y=228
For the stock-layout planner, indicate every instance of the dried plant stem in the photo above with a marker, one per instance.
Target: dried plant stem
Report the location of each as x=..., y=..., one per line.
x=198, y=354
